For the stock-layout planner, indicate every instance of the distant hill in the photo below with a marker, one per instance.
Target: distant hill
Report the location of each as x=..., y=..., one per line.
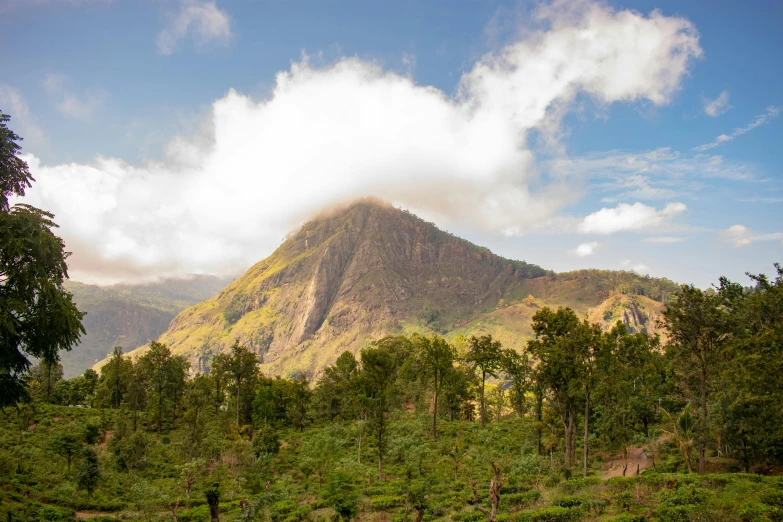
x=369, y=270
x=130, y=315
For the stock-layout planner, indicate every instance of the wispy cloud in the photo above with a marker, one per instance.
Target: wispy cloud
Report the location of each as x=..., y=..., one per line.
x=200, y=20
x=80, y=107
x=22, y=120
x=740, y=236
x=718, y=106
x=663, y=240
x=761, y=119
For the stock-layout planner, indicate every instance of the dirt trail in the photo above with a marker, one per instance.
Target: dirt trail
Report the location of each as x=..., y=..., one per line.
x=637, y=459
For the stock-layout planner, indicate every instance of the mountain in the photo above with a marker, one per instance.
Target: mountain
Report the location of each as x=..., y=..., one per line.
x=369, y=270
x=130, y=315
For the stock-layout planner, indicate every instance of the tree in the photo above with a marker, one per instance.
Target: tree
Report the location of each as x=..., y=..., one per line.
x=485, y=355
x=518, y=369
x=37, y=315
x=377, y=381
x=242, y=370
x=89, y=472
x=751, y=370
x=66, y=442
x=190, y=473
x=163, y=374
x=340, y=493
x=334, y=393
x=196, y=401
x=696, y=325
x=46, y=376
x=437, y=359
x=560, y=368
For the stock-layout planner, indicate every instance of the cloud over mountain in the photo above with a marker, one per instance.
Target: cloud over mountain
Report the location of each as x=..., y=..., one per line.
x=222, y=199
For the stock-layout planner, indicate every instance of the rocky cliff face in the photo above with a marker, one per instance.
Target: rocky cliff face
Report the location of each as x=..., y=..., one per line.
x=357, y=273
x=638, y=313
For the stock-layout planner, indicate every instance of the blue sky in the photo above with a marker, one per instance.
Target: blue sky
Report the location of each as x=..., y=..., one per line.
x=571, y=135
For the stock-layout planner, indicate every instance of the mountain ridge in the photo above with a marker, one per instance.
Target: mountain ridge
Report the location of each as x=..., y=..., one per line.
x=358, y=273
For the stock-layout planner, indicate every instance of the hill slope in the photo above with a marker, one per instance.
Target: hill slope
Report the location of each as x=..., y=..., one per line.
x=369, y=270
x=130, y=315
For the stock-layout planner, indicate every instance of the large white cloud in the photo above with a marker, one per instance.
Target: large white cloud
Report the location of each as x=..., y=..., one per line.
x=325, y=134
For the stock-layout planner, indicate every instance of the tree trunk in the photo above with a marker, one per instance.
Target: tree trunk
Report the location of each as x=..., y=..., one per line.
x=238, y=403
x=483, y=411
x=435, y=416
x=380, y=447
x=703, y=435
x=587, y=422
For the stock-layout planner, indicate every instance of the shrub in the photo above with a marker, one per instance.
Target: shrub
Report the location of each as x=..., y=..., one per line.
x=752, y=511
x=625, y=517
x=521, y=499
x=553, y=514
x=568, y=502
x=386, y=501
x=572, y=485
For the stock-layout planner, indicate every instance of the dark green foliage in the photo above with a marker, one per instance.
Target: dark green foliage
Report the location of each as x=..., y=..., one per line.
x=266, y=441
x=88, y=474
x=37, y=315
x=340, y=494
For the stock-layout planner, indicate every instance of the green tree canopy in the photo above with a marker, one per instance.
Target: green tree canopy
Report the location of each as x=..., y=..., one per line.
x=37, y=316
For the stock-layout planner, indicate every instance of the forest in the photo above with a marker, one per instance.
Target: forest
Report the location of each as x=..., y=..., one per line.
x=584, y=425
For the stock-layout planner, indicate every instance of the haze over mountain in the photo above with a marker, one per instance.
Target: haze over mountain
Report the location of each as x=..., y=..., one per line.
x=368, y=270
x=130, y=315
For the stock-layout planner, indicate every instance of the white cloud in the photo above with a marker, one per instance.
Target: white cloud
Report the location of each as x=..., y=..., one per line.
x=79, y=107
x=641, y=268
x=663, y=240
x=331, y=133
x=718, y=106
x=22, y=121
x=584, y=250
x=740, y=236
x=625, y=218
x=200, y=19
x=770, y=113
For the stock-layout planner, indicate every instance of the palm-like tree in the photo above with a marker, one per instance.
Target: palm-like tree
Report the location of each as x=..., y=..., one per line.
x=681, y=432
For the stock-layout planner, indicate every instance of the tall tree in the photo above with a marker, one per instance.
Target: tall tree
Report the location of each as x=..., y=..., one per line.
x=486, y=356
x=242, y=371
x=378, y=384
x=696, y=326
x=37, y=315
x=163, y=374
x=437, y=359
x=560, y=366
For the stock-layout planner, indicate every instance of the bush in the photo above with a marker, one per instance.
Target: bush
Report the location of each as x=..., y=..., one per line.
x=664, y=513
x=55, y=514
x=568, y=502
x=386, y=501
x=625, y=517
x=753, y=511
x=281, y=508
x=553, y=514
x=521, y=499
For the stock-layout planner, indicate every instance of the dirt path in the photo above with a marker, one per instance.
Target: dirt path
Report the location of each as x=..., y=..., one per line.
x=637, y=460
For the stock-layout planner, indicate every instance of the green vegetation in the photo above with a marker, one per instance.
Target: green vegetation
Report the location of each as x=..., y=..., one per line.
x=370, y=441
x=37, y=315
